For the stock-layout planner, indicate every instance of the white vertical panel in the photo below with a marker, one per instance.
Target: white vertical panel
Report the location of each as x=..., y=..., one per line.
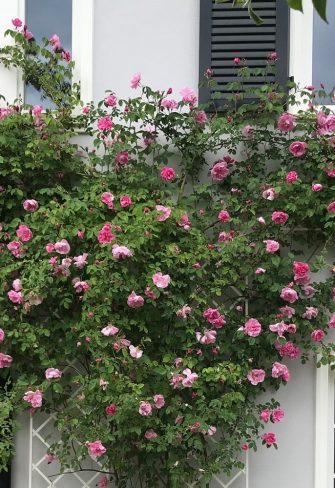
x=9, y=9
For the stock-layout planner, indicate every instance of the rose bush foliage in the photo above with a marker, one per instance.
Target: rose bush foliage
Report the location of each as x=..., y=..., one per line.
x=155, y=282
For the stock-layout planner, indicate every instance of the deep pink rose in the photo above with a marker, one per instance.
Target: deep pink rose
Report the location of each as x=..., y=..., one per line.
x=17, y=22
x=300, y=269
x=269, y=438
x=331, y=207
x=237, y=61
x=135, y=301
x=110, y=101
x=15, y=247
x=291, y=177
x=317, y=335
x=105, y=235
x=96, y=449
x=252, y=328
x=167, y=173
x=122, y=158
x=298, y=148
x=224, y=216
x=280, y=371
x=24, y=233
x=288, y=350
x=277, y=415
x=220, y=171
x=256, y=376
x=2, y=335
x=214, y=317
x=111, y=409
x=201, y=117
x=105, y=123
x=317, y=187
x=108, y=199
x=30, y=205
x=125, y=201
x=279, y=217
x=286, y=122
x=331, y=322
x=5, y=360
x=265, y=415
x=289, y=295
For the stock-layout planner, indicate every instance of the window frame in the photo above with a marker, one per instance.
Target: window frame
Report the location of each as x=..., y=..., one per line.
x=11, y=85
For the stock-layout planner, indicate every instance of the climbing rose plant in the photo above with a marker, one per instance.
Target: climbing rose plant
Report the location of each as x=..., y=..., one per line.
x=159, y=276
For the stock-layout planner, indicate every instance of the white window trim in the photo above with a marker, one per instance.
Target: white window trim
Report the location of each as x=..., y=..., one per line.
x=11, y=85
x=324, y=428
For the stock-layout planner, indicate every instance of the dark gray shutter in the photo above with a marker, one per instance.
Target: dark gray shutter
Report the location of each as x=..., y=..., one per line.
x=227, y=32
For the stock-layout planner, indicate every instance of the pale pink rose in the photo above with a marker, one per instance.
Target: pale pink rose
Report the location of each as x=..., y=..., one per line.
x=24, y=233
x=201, y=117
x=214, y=317
x=260, y=271
x=145, y=409
x=248, y=131
x=80, y=261
x=50, y=247
x=220, y=171
x=261, y=220
x=317, y=187
x=109, y=330
x=62, y=247
x=163, y=213
x=280, y=371
x=279, y=328
x=317, y=335
x=289, y=295
x=49, y=457
x=150, y=434
x=291, y=328
x=149, y=293
x=80, y=286
x=176, y=380
x=279, y=217
x=331, y=207
x=159, y=401
x=5, y=360
x=269, y=438
x=252, y=328
x=15, y=247
x=110, y=100
x=55, y=42
x=264, y=415
x=167, y=173
x=286, y=122
x=135, y=352
x=169, y=104
x=310, y=313
x=2, y=335
x=53, y=373
x=66, y=262
x=105, y=235
x=103, y=482
x=27, y=34
x=34, y=398
x=125, y=201
x=288, y=350
x=184, y=312
x=211, y=430
x=103, y=384
x=188, y=95
x=298, y=148
x=189, y=378
x=224, y=216
x=160, y=280
x=121, y=252
x=287, y=311
x=108, y=199
x=256, y=376
x=270, y=194
x=96, y=449
x=271, y=246
x=17, y=286
x=122, y=158
x=105, y=123
x=135, y=81
x=331, y=322
x=17, y=22
x=277, y=415
x=15, y=296
x=326, y=123
x=291, y=177
x=135, y=301
x=30, y=205
x=208, y=337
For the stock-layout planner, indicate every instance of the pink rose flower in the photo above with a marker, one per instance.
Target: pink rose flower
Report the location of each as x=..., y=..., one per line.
x=135, y=352
x=279, y=217
x=237, y=61
x=261, y=220
x=169, y=104
x=108, y=199
x=121, y=252
x=50, y=247
x=159, y=401
x=96, y=449
x=111, y=409
x=17, y=22
x=189, y=378
x=317, y=335
x=280, y=371
x=331, y=207
x=30, y=205
x=160, y=280
x=220, y=171
x=105, y=235
x=287, y=311
x=15, y=247
x=55, y=42
x=53, y=373
x=2, y=335
x=298, y=148
x=5, y=360
x=184, y=222
x=317, y=187
x=270, y=194
x=279, y=328
x=122, y=158
x=17, y=286
x=213, y=316
x=145, y=409
x=224, y=216
x=252, y=328
x=260, y=271
x=277, y=415
x=80, y=261
x=271, y=246
x=15, y=296
x=150, y=434
x=331, y=322
x=184, y=312
x=105, y=123
x=167, y=173
x=188, y=95
x=291, y=177
x=248, y=131
x=103, y=482
x=109, y=330
x=24, y=233
x=163, y=213
x=34, y=398
x=201, y=117
x=265, y=415
x=209, y=337
x=135, y=301
x=110, y=100
x=286, y=122
x=50, y=457
x=256, y=376
x=62, y=247
x=310, y=313
x=135, y=81
x=288, y=350
x=289, y=295
x=125, y=201
x=269, y=438
x=80, y=286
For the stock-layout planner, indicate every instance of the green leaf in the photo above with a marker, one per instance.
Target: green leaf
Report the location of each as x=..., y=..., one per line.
x=295, y=4
x=254, y=16
x=321, y=7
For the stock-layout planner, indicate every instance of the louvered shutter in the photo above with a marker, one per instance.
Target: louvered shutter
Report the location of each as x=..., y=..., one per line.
x=227, y=32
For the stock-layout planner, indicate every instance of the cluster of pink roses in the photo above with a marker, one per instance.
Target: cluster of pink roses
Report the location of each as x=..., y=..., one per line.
x=146, y=408
x=279, y=370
